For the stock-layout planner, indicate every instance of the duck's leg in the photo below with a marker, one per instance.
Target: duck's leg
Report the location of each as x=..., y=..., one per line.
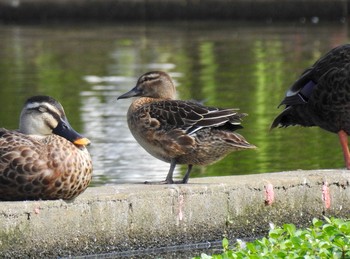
x=187, y=175
x=343, y=137
x=169, y=177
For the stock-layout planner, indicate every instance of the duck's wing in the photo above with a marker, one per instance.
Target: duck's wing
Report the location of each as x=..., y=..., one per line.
x=330, y=98
x=300, y=92
x=19, y=164
x=192, y=116
x=333, y=90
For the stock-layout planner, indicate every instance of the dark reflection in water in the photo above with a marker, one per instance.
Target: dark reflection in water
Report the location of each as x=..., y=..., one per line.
x=223, y=64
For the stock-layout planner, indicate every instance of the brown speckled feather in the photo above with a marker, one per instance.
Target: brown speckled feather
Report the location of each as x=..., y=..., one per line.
x=50, y=168
x=41, y=167
x=188, y=131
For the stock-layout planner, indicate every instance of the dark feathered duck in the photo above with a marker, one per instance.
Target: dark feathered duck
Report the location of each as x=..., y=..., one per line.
x=46, y=158
x=180, y=132
x=321, y=97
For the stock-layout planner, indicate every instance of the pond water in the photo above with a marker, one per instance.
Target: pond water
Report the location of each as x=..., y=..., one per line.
x=224, y=64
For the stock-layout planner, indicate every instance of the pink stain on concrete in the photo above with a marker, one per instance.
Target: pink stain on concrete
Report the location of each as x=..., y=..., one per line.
x=326, y=196
x=37, y=208
x=269, y=194
x=180, y=214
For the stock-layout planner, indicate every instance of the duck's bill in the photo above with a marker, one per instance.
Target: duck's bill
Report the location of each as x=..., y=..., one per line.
x=132, y=93
x=82, y=142
x=65, y=130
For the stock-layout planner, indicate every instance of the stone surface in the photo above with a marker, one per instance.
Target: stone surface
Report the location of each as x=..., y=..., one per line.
x=136, y=216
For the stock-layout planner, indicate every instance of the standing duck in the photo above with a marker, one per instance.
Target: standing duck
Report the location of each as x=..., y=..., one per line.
x=180, y=132
x=321, y=97
x=45, y=159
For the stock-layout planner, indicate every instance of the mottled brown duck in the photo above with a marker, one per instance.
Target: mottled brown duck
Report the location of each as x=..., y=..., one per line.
x=321, y=97
x=180, y=132
x=46, y=158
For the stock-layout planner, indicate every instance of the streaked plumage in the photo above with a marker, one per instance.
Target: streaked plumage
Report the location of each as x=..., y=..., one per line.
x=180, y=132
x=45, y=158
x=321, y=97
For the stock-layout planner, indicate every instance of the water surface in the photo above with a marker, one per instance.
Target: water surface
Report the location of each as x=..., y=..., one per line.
x=225, y=64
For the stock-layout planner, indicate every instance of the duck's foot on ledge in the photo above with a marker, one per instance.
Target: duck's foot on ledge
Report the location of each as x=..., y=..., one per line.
x=166, y=182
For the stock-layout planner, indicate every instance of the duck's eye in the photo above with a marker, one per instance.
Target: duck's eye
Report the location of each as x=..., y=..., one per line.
x=145, y=79
x=42, y=109
x=150, y=77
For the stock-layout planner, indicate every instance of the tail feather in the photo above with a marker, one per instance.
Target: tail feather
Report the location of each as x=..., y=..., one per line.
x=290, y=117
x=277, y=121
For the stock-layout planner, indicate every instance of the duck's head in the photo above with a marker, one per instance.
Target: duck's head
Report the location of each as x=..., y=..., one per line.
x=43, y=116
x=155, y=84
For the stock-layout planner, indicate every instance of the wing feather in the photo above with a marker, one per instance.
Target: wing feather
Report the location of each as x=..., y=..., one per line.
x=191, y=116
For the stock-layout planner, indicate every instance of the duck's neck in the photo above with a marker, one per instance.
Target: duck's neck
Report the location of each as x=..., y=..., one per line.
x=30, y=126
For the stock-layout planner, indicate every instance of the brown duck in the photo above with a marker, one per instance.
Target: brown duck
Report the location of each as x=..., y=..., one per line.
x=180, y=132
x=45, y=159
x=321, y=97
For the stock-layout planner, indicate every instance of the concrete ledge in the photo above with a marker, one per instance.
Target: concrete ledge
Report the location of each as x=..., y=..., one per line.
x=137, y=216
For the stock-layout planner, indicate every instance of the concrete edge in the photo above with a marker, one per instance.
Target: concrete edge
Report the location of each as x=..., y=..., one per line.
x=136, y=216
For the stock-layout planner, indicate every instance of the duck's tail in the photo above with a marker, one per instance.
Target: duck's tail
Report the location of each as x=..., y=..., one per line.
x=290, y=117
x=282, y=120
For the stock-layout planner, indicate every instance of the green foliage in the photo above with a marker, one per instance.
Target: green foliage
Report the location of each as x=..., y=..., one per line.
x=324, y=239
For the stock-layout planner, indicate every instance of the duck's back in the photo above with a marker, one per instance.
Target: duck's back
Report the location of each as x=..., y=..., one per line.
x=336, y=58
x=41, y=168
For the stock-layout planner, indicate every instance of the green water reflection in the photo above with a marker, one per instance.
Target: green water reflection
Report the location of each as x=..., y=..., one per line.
x=223, y=64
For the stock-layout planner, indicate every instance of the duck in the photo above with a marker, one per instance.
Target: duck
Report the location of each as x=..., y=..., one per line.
x=178, y=131
x=45, y=159
x=321, y=97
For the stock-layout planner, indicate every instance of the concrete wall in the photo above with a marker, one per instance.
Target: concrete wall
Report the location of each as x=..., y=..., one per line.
x=111, y=10
x=136, y=216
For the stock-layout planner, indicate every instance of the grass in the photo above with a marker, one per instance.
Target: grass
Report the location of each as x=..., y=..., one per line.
x=329, y=238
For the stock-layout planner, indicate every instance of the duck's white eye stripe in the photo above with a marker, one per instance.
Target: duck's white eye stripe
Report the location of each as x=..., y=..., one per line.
x=51, y=108
x=47, y=106
x=151, y=76
x=33, y=105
